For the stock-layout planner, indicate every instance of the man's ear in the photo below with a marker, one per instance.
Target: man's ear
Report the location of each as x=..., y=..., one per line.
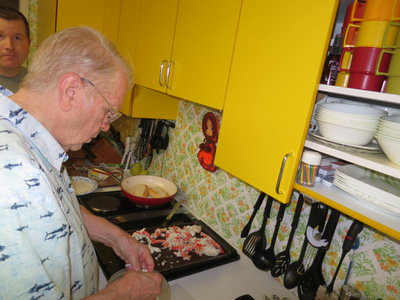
x=70, y=86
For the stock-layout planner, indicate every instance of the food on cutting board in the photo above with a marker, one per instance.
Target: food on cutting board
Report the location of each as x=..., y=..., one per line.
x=143, y=190
x=183, y=241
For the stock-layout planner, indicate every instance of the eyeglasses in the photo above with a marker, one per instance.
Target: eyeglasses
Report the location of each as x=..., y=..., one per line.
x=112, y=113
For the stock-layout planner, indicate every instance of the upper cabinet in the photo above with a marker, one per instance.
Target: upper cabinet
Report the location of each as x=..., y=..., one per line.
x=277, y=64
x=184, y=48
x=102, y=15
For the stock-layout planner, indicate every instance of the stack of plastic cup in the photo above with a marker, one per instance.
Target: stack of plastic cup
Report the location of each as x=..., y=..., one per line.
x=393, y=73
x=354, y=12
x=364, y=56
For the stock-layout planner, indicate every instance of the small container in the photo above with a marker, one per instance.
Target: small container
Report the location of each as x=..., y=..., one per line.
x=308, y=168
x=331, y=68
x=349, y=292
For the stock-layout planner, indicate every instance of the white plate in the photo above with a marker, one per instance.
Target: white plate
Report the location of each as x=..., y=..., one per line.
x=376, y=188
x=83, y=185
x=369, y=148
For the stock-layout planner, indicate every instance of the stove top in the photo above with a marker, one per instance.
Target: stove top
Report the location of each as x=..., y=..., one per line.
x=114, y=207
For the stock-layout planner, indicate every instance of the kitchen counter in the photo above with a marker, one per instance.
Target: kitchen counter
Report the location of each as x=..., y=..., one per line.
x=228, y=282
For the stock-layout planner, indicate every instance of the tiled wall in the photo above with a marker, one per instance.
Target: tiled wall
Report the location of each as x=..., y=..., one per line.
x=226, y=203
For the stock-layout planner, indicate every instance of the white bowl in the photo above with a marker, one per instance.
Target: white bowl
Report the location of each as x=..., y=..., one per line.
x=361, y=117
x=394, y=138
x=353, y=109
x=390, y=148
x=395, y=119
x=348, y=123
x=345, y=135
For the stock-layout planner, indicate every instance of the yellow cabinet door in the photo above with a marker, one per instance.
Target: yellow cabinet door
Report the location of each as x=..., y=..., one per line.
x=279, y=54
x=140, y=102
x=202, y=52
x=154, y=42
x=126, y=41
x=102, y=15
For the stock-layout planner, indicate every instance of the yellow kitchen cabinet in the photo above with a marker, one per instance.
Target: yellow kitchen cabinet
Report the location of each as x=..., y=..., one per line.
x=277, y=64
x=185, y=47
x=140, y=102
x=102, y=15
x=46, y=19
x=126, y=41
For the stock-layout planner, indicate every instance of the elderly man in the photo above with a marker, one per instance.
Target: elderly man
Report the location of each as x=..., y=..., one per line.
x=74, y=88
x=14, y=47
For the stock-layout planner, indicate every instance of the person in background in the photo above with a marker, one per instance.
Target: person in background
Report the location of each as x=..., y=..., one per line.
x=74, y=88
x=14, y=47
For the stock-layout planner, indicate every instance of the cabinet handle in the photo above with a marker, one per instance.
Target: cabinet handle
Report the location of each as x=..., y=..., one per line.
x=168, y=73
x=278, y=183
x=160, y=76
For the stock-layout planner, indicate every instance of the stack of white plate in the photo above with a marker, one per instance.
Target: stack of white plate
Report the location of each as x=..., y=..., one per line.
x=388, y=137
x=348, y=123
x=380, y=190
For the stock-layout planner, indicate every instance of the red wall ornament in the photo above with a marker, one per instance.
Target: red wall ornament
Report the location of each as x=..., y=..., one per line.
x=208, y=148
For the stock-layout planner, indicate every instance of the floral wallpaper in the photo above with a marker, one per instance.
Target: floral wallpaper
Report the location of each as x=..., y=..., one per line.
x=226, y=204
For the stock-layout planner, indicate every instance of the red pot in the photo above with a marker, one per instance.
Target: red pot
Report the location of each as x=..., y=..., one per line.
x=128, y=184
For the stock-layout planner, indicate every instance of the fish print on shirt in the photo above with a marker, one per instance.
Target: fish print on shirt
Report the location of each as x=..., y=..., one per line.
x=58, y=233
x=48, y=215
x=3, y=256
x=34, y=182
x=11, y=166
x=17, y=113
x=76, y=286
x=19, y=121
x=17, y=206
x=6, y=131
x=21, y=228
x=40, y=288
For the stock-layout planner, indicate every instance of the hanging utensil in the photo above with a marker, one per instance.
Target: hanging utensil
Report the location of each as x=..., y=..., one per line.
x=355, y=228
x=295, y=271
x=138, y=152
x=355, y=247
x=283, y=258
x=257, y=240
x=313, y=278
x=265, y=259
x=157, y=140
x=246, y=228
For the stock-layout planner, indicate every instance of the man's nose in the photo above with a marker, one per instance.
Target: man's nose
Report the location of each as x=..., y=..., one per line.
x=8, y=43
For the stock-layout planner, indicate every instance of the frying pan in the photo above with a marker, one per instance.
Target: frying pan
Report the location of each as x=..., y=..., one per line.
x=128, y=184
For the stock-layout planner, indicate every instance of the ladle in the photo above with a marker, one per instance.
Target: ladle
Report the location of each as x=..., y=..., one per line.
x=265, y=259
x=295, y=271
x=283, y=258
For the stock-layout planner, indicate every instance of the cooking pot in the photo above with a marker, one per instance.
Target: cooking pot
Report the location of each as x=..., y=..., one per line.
x=129, y=183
